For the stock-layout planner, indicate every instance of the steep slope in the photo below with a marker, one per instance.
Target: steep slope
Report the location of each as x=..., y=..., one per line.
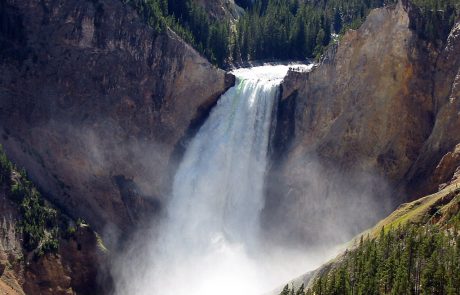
x=95, y=104
x=381, y=105
x=439, y=157
x=368, y=93
x=41, y=250
x=415, y=249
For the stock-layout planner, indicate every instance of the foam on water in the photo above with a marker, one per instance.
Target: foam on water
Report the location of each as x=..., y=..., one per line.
x=271, y=72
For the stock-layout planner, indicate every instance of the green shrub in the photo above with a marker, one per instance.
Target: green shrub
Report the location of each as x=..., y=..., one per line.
x=39, y=222
x=5, y=168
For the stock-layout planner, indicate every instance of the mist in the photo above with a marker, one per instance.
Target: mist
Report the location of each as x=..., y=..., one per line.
x=318, y=204
x=222, y=230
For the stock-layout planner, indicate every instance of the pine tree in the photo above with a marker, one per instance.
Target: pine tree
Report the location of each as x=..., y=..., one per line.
x=285, y=291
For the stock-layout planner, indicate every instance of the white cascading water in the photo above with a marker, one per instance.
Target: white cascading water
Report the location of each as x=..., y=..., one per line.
x=209, y=242
x=218, y=190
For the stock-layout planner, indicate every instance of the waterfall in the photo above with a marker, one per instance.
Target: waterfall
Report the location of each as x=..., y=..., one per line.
x=218, y=189
x=213, y=216
x=217, y=196
x=209, y=242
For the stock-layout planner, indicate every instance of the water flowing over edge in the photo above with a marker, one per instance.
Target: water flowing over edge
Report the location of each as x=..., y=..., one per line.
x=218, y=189
x=210, y=239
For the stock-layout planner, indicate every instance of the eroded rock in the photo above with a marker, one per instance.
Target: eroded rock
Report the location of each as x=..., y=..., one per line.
x=381, y=105
x=89, y=91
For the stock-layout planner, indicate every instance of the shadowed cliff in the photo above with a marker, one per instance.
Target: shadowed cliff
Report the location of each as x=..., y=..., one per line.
x=94, y=103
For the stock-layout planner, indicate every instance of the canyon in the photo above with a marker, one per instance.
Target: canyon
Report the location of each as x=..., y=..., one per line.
x=100, y=109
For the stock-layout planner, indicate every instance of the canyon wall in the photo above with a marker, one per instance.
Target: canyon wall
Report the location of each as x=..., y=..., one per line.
x=382, y=104
x=438, y=161
x=95, y=105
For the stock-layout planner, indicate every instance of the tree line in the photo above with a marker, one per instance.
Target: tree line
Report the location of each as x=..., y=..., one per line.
x=292, y=29
x=436, y=18
x=282, y=29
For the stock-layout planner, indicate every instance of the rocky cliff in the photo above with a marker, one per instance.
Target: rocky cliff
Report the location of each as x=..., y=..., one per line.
x=76, y=267
x=95, y=104
x=439, y=160
x=221, y=9
x=382, y=105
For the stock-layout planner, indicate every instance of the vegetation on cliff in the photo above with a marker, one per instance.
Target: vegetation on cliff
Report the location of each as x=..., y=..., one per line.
x=416, y=251
x=282, y=29
x=191, y=22
x=293, y=29
x=436, y=18
x=42, y=250
x=39, y=223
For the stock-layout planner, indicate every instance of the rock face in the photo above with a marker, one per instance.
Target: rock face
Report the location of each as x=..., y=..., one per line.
x=221, y=9
x=10, y=247
x=448, y=169
x=441, y=148
x=77, y=267
x=369, y=102
x=382, y=104
x=95, y=105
